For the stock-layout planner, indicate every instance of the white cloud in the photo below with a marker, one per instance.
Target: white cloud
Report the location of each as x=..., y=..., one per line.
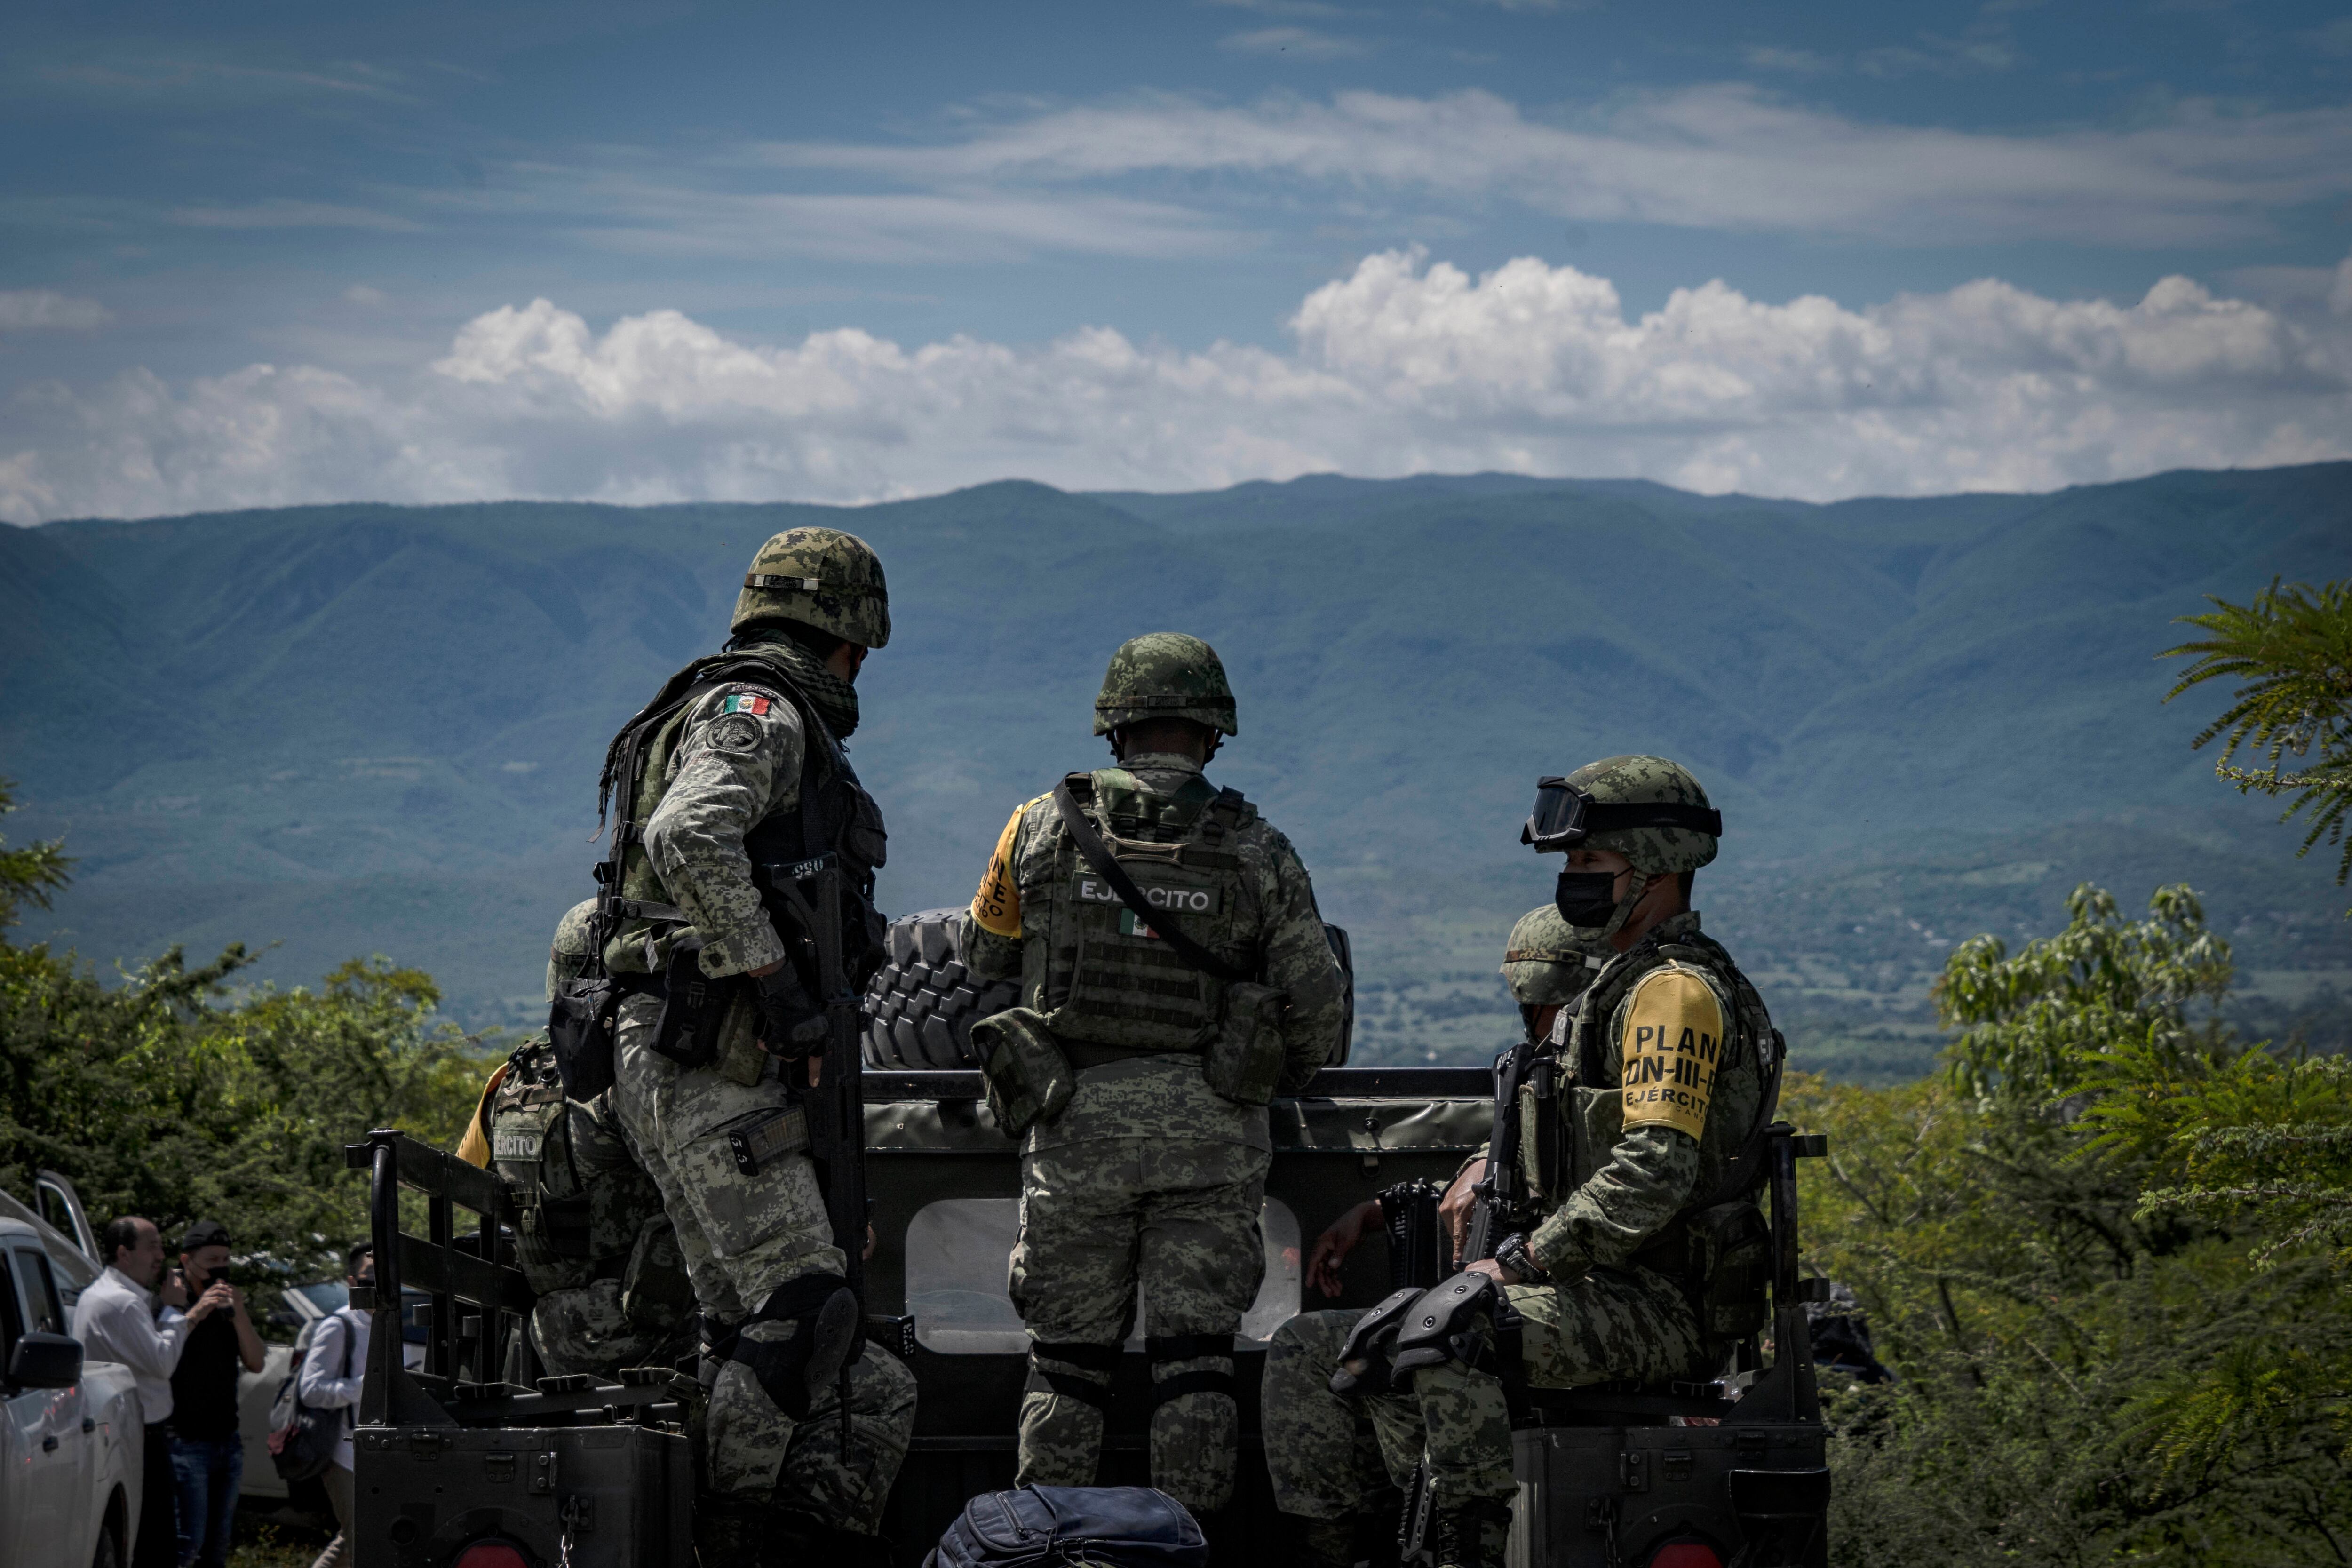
x=1307, y=43
x=28, y=310
x=1802, y=62
x=928, y=226
x=1398, y=367
x=1319, y=9
x=290, y=215
x=1721, y=156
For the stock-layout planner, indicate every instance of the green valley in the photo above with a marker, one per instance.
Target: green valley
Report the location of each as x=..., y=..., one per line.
x=370, y=729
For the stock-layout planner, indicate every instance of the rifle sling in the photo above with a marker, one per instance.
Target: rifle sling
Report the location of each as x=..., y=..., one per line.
x=1099, y=857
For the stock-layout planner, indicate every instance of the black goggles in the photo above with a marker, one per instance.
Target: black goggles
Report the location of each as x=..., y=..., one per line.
x=1565, y=816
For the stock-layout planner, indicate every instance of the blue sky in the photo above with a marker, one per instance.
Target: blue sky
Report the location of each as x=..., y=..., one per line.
x=274, y=253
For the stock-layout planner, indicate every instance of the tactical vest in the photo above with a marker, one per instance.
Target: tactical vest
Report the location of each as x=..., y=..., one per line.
x=1564, y=1148
x=581, y=1203
x=833, y=815
x=1105, y=979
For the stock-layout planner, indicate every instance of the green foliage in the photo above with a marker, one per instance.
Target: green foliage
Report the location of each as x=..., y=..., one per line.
x=2097, y=1255
x=167, y=1096
x=29, y=875
x=2033, y=1024
x=2292, y=648
x=2255, y=1140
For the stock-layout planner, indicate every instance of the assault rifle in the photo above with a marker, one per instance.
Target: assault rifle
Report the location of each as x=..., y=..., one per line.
x=1500, y=1196
x=813, y=895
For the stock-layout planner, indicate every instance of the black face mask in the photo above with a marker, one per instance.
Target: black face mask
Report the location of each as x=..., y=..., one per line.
x=1586, y=899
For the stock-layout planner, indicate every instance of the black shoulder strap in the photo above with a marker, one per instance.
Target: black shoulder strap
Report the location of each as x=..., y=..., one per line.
x=1163, y=924
x=617, y=786
x=1597, y=1006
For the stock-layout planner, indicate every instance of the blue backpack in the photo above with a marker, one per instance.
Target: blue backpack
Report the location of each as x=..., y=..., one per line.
x=1125, y=1527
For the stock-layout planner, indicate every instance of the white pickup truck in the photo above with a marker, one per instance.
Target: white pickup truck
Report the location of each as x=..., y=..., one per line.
x=69, y=1434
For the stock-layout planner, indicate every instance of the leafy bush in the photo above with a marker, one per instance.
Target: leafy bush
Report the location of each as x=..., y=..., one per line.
x=2102, y=1255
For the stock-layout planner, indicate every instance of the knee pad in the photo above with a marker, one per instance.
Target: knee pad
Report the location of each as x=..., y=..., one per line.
x=1364, y=1360
x=1163, y=1347
x=1103, y=1359
x=825, y=1335
x=1442, y=1325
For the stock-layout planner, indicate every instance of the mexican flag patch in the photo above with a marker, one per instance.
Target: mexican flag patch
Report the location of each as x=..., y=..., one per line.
x=745, y=703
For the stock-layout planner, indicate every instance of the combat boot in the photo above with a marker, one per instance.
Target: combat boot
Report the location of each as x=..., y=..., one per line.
x=1474, y=1534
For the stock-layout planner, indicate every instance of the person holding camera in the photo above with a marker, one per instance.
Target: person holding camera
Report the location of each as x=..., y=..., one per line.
x=138, y=1313
x=207, y=1454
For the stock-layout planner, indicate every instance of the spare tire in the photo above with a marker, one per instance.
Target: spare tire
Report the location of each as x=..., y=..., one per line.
x=921, y=1004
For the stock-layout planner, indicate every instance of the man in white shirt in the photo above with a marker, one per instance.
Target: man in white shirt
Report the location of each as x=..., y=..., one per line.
x=334, y=1369
x=123, y=1317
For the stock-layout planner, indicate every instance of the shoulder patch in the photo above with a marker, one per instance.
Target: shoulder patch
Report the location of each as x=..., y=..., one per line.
x=1672, y=1040
x=750, y=702
x=996, y=908
x=733, y=733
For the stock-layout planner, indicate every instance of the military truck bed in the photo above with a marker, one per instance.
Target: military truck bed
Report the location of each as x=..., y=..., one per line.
x=931, y=1141
x=944, y=1185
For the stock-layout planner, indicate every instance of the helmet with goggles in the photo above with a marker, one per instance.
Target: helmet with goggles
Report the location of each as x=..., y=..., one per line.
x=1648, y=809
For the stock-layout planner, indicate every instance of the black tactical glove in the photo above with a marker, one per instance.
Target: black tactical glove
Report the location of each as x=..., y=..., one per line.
x=791, y=1025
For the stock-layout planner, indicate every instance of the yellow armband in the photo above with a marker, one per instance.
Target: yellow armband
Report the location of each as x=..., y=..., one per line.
x=474, y=1148
x=1672, y=1039
x=996, y=908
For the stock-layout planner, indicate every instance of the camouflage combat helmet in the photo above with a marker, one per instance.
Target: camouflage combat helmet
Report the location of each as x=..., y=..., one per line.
x=1165, y=675
x=820, y=577
x=1600, y=806
x=1548, y=961
x=569, y=956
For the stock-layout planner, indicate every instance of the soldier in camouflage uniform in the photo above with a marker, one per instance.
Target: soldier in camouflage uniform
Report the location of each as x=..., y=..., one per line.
x=1330, y=1465
x=590, y=1235
x=1671, y=1063
x=1145, y=1163
x=735, y=780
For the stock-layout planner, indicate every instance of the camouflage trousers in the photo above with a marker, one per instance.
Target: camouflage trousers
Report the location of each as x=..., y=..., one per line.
x=1327, y=1459
x=1609, y=1324
x=1177, y=1217
x=814, y=1475
x=741, y=1237
x=588, y=1329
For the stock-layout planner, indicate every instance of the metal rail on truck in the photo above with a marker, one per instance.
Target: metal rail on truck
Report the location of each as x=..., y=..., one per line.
x=474, y=1304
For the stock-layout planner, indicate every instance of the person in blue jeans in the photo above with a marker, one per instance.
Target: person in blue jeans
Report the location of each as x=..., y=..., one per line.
x=208, y=1452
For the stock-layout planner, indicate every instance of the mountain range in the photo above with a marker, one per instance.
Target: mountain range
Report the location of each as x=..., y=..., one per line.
x=361, y=729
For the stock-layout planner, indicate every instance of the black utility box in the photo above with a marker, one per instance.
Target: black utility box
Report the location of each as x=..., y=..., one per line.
x=1598, y=1497
x=560, y=1496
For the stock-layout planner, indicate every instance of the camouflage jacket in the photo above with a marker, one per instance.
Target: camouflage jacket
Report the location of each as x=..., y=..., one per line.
x=732, y=759
x=1668, y=1057
x=1273, y=926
